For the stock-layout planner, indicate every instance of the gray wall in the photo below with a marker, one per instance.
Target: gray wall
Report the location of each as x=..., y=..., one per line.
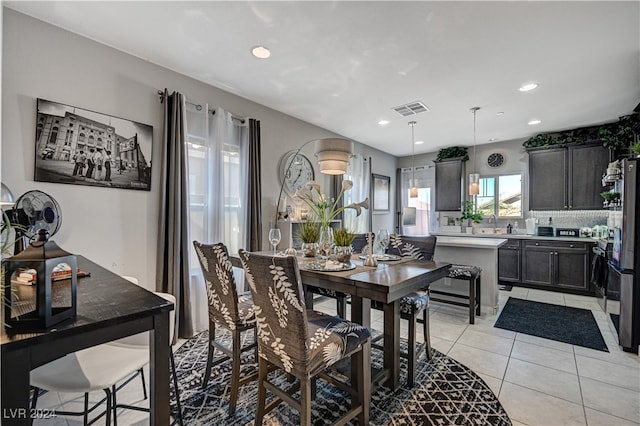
x=117, y=228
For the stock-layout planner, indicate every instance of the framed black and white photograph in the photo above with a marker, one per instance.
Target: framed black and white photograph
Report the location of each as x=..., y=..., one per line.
x=381, y=194
x=82, y=147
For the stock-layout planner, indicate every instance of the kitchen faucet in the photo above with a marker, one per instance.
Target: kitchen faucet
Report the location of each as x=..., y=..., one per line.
x=493, y=219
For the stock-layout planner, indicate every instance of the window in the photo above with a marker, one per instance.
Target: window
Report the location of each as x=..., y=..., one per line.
x=423, y=203
x=216, y=149
x=53, y=136
x=501, y=195
x=359, y=172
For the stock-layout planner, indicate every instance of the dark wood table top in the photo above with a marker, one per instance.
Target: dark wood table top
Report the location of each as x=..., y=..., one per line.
x=385, y=283
x=103, y=299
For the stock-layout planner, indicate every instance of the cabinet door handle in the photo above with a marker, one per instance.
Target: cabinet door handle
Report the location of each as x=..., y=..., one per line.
x=537, y=244
x=565, y=207
x=551, y=267
x=571, y=245
x=556, y=253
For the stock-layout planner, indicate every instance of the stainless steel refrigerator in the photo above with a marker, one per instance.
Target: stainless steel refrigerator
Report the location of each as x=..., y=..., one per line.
x=625, y=262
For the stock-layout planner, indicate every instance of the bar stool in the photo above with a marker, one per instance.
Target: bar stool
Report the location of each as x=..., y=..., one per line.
x=472, y=274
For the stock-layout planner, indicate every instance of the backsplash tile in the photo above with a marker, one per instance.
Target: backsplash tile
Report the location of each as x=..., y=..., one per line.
x=571, y=218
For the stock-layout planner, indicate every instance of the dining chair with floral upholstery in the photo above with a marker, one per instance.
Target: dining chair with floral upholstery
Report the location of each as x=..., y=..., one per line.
x=303, y=343
x=415, y=247
x=229, y=310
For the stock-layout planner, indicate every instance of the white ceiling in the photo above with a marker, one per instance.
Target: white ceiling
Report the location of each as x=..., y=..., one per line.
x=343, y=65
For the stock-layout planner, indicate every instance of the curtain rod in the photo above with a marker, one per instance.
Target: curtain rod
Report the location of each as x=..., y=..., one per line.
x=199, y=107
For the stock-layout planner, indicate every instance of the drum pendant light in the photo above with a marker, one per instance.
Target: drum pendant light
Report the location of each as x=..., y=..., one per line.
x=413, y=184
x=474, y=178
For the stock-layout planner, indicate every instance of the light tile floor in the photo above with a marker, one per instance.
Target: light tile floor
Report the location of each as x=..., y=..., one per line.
x=538, y=381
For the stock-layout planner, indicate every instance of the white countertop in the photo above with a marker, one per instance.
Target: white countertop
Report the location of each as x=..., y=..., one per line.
x=512, y=236
x=463, y=240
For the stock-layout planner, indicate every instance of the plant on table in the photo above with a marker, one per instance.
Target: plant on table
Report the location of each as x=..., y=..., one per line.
x=326, y=210
x=309, y=235
x=343, y=239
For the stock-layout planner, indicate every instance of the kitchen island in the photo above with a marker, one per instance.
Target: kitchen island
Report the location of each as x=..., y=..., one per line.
x=467, y=250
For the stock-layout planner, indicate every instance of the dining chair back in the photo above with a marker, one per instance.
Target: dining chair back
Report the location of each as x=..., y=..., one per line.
x=415, y=247
x=360, y=242
x=302, y=343
x=229, y=310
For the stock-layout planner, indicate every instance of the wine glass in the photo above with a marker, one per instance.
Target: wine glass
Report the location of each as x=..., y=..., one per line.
x=274, y=238
x=383, y=236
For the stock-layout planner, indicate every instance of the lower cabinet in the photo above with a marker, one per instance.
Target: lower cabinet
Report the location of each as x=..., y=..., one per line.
x=509, y=261
x=558, y=265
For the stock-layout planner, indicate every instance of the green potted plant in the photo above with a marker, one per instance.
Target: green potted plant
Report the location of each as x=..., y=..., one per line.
x=342, y=239
x=610, y=198
x=309, y=235
x=470, y=214
x=453, y=152
x=635, y=149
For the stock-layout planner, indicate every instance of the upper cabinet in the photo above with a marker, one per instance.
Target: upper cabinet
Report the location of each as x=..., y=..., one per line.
x=567, y=178
x=449, y=178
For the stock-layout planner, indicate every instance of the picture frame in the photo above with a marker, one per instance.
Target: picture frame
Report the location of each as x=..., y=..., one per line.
x=82, y=147
x=381, y=194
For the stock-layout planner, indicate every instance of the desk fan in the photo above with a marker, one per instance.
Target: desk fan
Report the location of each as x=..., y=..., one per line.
x=34, y=210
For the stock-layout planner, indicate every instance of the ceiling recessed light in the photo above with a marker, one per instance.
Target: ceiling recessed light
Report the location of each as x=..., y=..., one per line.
x=500, y=113
x=419, y=142
x=493, y=139
x=261, y=52
x=383, y=122
x=534, y=122
x=528, y=86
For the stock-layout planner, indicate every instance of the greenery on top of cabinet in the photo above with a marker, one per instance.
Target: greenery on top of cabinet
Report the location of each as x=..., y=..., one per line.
x=614, y=136
x=453, y=152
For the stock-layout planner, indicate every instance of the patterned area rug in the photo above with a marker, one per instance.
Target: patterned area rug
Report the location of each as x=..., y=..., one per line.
x=446, y=393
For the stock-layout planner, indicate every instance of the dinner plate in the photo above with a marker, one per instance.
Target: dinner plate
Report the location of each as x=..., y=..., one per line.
x=382, y=257
x=329, y=266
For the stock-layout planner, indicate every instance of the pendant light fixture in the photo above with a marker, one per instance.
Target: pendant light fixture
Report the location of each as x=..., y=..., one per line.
x=474, y=178
x=413, y=183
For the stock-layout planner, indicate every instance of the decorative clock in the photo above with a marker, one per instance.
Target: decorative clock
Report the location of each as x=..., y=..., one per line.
x=298, y=174
x=495, y=160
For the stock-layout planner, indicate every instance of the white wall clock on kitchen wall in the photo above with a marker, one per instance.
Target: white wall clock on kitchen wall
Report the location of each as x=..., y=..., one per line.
x=300, y=172
x=495, y=160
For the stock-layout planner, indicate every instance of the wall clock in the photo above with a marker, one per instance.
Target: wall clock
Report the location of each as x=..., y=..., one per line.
x=495, y=159
x=300, y=172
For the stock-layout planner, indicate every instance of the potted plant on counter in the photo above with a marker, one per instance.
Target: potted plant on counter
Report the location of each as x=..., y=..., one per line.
x=470, y=214
x=342, y=239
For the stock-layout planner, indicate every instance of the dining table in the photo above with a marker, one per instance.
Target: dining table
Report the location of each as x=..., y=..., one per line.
x=108, y=308
x=386, y=283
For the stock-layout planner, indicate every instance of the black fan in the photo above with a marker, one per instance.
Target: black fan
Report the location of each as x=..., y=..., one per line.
x=34, y=210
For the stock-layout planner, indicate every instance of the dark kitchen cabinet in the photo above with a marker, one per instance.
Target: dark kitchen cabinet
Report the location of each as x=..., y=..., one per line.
x=586, y=165
x=509, y=261
x=449, y=178
x=567, y=178
x=558, y=264
x=547, y=179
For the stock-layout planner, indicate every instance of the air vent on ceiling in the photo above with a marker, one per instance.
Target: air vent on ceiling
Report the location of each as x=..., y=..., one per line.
x=411, y=108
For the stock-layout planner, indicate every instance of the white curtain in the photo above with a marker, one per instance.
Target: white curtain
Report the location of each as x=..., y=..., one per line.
x=359, y=172
x=423, y=203
x=218, y=189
